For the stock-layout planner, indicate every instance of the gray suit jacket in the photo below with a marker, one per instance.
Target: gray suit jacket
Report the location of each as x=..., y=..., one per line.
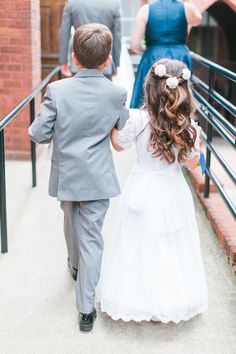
x=81, y=12
x=78, y=114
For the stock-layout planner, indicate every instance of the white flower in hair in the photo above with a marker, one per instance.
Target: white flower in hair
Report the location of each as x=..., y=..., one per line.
x=186, y=74
x=160, y=70
x=172, y=82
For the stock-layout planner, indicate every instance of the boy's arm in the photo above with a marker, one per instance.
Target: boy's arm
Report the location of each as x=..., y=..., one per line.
x=40, y=130
x=123, y=115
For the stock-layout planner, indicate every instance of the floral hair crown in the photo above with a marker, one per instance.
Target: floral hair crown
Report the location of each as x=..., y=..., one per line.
x=172, y=82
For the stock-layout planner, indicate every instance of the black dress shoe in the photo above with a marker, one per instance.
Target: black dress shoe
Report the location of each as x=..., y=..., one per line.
x=73, y=271
x=86, y=321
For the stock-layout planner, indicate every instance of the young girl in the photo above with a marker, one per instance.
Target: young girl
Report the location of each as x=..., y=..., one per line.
x=152, y=269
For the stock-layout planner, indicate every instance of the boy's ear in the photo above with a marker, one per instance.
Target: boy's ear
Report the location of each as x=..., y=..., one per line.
x=75, y=60
x=108, y=61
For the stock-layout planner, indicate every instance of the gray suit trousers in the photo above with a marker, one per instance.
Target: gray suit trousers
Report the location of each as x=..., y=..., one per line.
x=83, y=223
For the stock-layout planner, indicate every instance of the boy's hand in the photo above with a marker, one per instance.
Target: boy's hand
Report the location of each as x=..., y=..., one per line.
x=65, y=70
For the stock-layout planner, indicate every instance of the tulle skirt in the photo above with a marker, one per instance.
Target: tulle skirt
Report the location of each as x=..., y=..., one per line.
x=152, y=267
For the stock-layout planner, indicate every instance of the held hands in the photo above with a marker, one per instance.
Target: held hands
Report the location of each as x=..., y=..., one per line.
x=65, y=69
x=114, y=134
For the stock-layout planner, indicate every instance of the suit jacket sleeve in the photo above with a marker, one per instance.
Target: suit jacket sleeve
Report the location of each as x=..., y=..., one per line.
x=41, y=129
x=123, y=115
x=65, y=34
x=116, y=32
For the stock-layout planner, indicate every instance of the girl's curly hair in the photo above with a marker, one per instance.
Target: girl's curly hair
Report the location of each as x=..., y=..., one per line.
x=170, y=111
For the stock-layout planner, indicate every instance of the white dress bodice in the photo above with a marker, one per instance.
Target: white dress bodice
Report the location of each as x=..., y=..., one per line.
x=137, y=130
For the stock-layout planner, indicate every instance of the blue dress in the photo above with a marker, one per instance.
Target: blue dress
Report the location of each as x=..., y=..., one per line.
x=166, y=33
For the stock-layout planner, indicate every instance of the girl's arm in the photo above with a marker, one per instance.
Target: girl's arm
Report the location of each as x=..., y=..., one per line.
x=192, y=162
x=125, y=138
x=139, y=29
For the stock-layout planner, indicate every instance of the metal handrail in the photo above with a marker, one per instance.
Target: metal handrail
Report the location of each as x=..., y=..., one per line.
x=217, y=121
x=222, y=129
x=29, y=99
x=216, y=67
x=215, y=95
x=220, y=159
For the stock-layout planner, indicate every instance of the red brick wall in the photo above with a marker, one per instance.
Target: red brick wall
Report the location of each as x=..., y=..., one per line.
x=20, y=67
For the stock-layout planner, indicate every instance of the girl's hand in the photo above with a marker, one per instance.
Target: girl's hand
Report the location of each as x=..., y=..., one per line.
x=114, y=134
x=192, y=163
x=199, y=136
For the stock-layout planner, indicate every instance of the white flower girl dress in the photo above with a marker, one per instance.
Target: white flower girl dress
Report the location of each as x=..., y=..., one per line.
x=152, y=268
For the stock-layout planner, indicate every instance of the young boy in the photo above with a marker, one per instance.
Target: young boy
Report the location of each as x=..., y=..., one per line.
x=78, y=114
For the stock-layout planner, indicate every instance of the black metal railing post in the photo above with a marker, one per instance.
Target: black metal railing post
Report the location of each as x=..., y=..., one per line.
x=29, y=99
x=3, y=206
x=33, y=145
x=209, y=136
